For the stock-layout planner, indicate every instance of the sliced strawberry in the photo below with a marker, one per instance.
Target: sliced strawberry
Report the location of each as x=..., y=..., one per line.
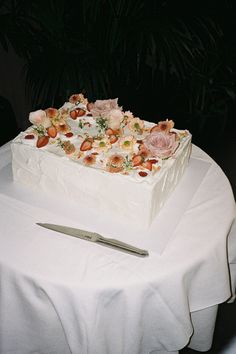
x=80, y=112
x=29, y=136
x=143, y=150
x=137, y=160
x=52, y=132
x=61, y=128
x=90, y=106
x=74, y=114
x=147, y=165
x=142, y=174
x=42, y=141
x=69, y=135
x=109, y=131
x=113, y=139
x=153, y=161
x=90, y=139
x=86, y=145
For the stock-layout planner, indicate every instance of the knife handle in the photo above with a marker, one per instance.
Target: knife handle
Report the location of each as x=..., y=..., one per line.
x=122, y=245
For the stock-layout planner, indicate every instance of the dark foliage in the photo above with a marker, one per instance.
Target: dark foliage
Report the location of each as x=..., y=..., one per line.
x=161, y=58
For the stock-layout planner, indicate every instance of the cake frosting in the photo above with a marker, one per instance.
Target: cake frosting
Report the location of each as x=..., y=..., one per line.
x=102, y=156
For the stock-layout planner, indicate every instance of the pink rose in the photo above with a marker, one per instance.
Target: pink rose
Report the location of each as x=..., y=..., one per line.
x=39, y=118
x=103, y=107
x=115, y=118
x=160, y=144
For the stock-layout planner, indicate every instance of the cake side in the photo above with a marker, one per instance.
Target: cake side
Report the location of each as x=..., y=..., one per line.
x=170, y=178
x=116, y=195
x=127, y=199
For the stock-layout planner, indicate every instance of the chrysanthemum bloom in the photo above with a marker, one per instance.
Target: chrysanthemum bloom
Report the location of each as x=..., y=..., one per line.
x=51, y=112
x=63, y=128
x=136, y=125
x=102, y=145
x=128, y=116
x=78, y=98
x=68, y=147
x=127, y=142
x=89, y=160
x=115, y=163
x=163, y=126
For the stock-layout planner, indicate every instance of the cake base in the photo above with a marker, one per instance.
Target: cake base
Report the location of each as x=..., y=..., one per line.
x=136, y=201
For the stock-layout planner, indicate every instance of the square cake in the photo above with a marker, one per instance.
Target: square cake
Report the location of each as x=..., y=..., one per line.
x=102, y=157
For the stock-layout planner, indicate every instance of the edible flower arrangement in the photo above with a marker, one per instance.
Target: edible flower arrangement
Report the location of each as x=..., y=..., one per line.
x=102, y=135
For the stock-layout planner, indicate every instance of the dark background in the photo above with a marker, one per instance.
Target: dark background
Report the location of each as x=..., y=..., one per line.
x=171, y=59
x=162, y=59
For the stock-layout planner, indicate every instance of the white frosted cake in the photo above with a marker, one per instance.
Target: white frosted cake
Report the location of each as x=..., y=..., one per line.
x=102, y=157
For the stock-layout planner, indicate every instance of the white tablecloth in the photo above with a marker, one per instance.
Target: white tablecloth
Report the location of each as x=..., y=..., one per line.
x=64, y=295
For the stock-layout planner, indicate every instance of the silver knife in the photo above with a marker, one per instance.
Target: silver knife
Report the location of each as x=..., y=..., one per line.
x=95, y=237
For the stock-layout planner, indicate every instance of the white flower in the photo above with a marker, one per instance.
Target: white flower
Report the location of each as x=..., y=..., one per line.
x=128, y=115
x=115, y=118
x=127, y=142
x=78, y=98
x=101, y=108
x=136, y=125
x=39, y=117
x=102, y=145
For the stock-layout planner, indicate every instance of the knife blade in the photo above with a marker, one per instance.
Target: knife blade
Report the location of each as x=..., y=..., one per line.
x=97, y=238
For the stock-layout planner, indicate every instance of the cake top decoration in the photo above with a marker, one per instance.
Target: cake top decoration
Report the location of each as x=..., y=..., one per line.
x=102, y=135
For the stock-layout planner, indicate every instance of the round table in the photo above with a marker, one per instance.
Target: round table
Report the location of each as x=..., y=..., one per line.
x=64, y=295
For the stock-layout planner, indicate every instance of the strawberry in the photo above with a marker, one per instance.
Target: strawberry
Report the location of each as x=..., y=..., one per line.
x=113, y=139
x=86, y=145
x=137, y=160
x=74, y=114
x=142, y=174
x=29, y=136
x=109, y=131
x=153, y=160
x=52, y=132
x=147, y=165
x=69, y=135
x=80, y=112
x=90, y=106
x=143, y=150
x=42, y=141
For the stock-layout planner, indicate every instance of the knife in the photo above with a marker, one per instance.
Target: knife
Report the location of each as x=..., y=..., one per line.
x=95, y=237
